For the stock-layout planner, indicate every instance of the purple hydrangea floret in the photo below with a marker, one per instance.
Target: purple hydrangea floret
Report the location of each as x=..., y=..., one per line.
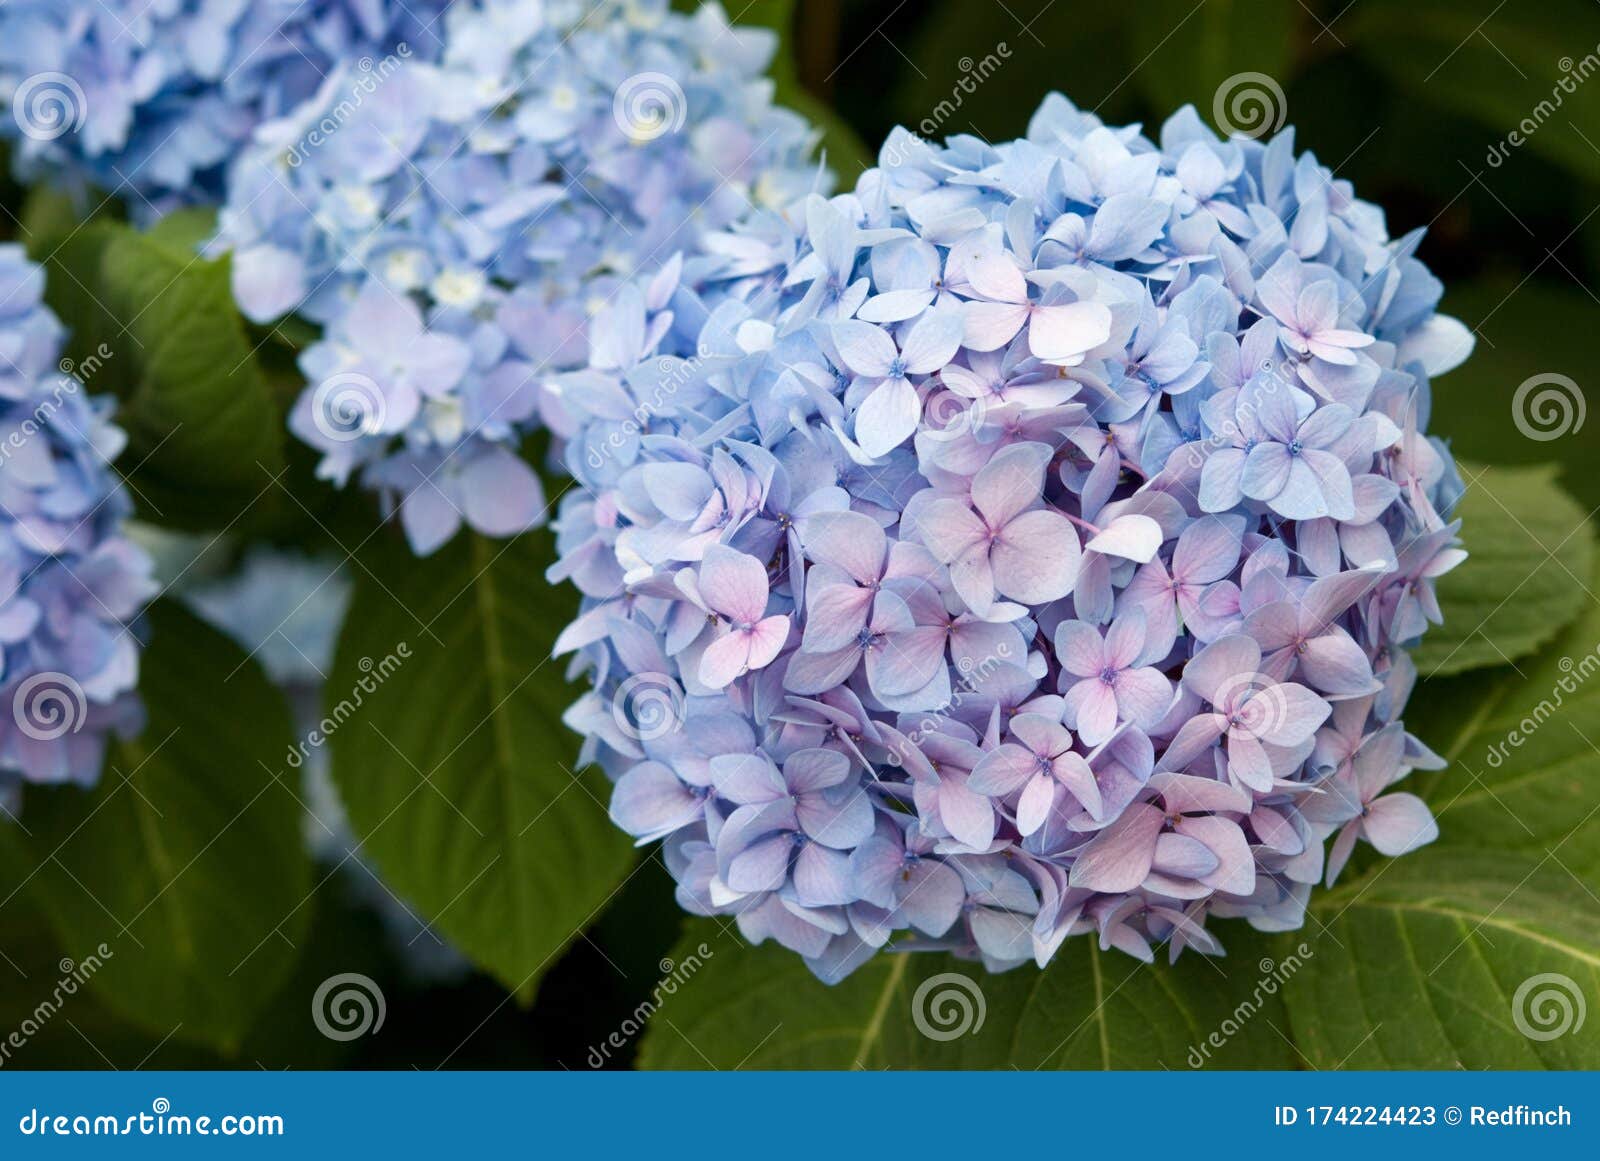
x=70, y=581
x=1018, y=546
x=453, y=226
x=151, y=99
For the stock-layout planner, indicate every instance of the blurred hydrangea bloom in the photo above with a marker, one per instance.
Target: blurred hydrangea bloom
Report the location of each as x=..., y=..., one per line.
x=152, y=98
x=452, y=227
x=1026, y=547
x=70, y=582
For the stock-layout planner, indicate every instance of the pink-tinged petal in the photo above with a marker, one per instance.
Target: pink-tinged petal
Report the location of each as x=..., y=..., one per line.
x=1236, y=872
x=1094, y=706
x=991, y=325
x=887, y=417
x=808, y=771
x=1080, y=649
x=1184, y=857
x=835, y=616
x=650, y=801
x=840, y=818
x=969, y=817
x=1339, y=853
x=994, y=274
x=1132, y=537
x=847, y=540
x=1194, y=737
x=1220, y=479
x=1249, y=763
x=1337, y=666
x=1378, y=762
x=1143, y=696
x=1038, y=795
x=1219, y=669
x=811, y=673
x=747, y=779
x=733, y=584
x=767, y=640
x=725, y=659
x=1208, y=550
x=906, y=661
x=973, y=578
x=1188, y=794
x=822, y=877
x=950, y=529
x=1275, y=832
x=933, y=897
x=1266, y=471
x=1125, y=639
x=762, y=866
x=1292, y=714
x=1064, y=333
x=867, y=350
x=1002, y=770
x=1398, y=823
x=1119, y=857
x=1330, y=596
x=934, y=340
x=1040, y=733
x=1073, y=772
x=1010, y=482
x=1274, y=626
x=429, y=519
x=1035, y=560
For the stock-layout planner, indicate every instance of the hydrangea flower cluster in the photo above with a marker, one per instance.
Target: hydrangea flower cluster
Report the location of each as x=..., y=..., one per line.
x=154, y=98
x=453, y=229
x=1025, y=547
x=70, y=582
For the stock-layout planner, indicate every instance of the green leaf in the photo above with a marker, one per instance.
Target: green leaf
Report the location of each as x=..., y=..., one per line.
x=455, y=767
x=1499, y=63
x=155, y=324
x=759, y=1007
x=1219, y=51
x=1525, y=329
x=1427, y=963
x=843, y=149
x=186, y=861
x=1531, y=554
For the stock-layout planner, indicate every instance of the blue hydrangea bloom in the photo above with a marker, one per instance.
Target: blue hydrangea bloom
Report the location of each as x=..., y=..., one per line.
x=152, y=98
x=1024, y=544
x=453, y=226
x=70, y=582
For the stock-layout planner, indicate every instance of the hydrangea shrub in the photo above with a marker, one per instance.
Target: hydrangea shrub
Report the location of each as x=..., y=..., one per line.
x=453, y=230
x=70, y=581
x=153, y=98
x=1022, y=545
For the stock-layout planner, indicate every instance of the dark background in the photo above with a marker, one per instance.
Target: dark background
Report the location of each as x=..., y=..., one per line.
x=1402, y=97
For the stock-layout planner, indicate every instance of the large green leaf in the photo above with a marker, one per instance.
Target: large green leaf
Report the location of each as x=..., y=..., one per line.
x=455, y=767
x=1500, y=63
x=759, y=1007
x=1445, y=959
x=1528, y=572
x=186, y=861
x=154, y=323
